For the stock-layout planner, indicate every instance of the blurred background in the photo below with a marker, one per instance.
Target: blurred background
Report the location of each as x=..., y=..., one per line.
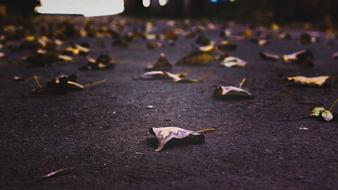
x=243, y=10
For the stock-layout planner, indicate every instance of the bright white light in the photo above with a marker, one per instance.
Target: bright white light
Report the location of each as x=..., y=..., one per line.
x=146, y=3
x=163, y=2
x=88, y=8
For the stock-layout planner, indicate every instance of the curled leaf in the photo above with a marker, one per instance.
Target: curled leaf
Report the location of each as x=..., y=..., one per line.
x=231, y=91
x=162, y=64
x=166, y=134
x=59, y=85
x=163, y=75
x=233, y=62
x=323, y=113
x=303, y=58
x=203, y=44
x=309, y=81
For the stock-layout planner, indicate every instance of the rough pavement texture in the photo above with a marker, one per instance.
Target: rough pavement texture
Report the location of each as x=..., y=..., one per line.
x=258, y=143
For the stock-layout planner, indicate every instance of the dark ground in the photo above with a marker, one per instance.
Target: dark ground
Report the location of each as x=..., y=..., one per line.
x=107, y=144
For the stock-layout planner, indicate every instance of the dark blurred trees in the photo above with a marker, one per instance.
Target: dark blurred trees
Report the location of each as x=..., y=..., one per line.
x=257, y=10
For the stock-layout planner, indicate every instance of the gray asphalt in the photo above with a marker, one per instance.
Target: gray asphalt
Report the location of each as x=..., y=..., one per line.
x=102, y=132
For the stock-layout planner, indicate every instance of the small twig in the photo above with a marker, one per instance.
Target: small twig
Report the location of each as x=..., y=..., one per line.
x=206, y=130
x=95, y=83
x=242, y=82
x=37, y=81
x=56, y=172
x=333, y=104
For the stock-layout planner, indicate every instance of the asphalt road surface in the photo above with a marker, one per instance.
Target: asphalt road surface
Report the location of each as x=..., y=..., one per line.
x=102, y=132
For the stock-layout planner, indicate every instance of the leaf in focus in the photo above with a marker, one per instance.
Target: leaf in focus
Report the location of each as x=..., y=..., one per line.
x=165, y=134
x=233, y=62
x=309, y=81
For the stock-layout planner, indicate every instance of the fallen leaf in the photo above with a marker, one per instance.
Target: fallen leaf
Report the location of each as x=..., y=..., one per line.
x=18, y=78
x=284, y=36
x=227, y=45
x=261, y=42
x=306, y=38
x=162, y=64
x=165, y=134
x=102, y=62
x=233, y=62
x=59, y=85
x=325, y=114
x=303, y=58
x=335, y=55
x=203, y=44
x=270, y=56
x=57, y=172
x=164, y=75
x=231, y=91
x=309, y=81
x=76, y=49
x=154, y=45
x=197, y=59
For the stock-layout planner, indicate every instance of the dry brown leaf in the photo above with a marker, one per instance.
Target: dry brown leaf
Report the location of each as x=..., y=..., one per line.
x=231, y=91
x=197, y=59
x=165, y=134
x=309, y=81
x=233, y=62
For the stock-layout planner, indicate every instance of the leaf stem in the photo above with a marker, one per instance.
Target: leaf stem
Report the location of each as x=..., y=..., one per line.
x=242, y=82
x=333, y=104
x=206, y=130
x=37, y=81
x=95, y=83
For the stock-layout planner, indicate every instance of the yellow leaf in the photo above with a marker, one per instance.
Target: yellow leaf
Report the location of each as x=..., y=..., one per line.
x=310, y=81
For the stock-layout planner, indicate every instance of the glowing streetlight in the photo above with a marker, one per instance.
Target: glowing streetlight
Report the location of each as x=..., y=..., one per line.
x=88, y=8
x=146, y=3
x=163, y=2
